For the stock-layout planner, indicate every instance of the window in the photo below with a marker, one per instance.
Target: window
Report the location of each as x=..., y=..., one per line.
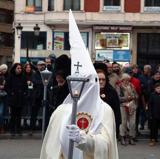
x=148, y=48
x=152, y=6
x=50, y=5
x=37, y=4
x=112, y=2
x=6, y=40
x=33, y=42
x=112, y=5
x=72, y=4
x=6, y=16
x=61, y=40
x=153, y=3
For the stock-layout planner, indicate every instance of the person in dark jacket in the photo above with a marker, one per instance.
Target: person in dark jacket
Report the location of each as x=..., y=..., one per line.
x=108, y=93
x=154, y=114
x=156, y=78
x=28, y=74
x=37, y=95
x=16, y=89
x=147, y=85
x=57, y=93
x=3, y=95
x=60, y=91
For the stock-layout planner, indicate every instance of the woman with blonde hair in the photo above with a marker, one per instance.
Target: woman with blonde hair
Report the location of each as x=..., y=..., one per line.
x=128, y=98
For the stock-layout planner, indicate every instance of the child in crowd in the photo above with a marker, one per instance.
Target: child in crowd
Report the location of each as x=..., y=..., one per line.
x=154, y=114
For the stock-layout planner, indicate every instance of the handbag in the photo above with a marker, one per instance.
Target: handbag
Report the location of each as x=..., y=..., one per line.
x=130, y=107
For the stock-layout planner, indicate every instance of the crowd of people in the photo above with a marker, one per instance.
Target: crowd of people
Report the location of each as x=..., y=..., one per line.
x=132, y=93
x=21, y=93
x=138, y=99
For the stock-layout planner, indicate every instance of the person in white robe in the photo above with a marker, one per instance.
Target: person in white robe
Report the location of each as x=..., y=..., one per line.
x=94, y=133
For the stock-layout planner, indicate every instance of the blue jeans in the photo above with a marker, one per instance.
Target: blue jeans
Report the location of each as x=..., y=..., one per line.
x=1, y=113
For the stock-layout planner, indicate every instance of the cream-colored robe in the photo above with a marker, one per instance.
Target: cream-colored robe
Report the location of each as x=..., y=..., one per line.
x=102, y=145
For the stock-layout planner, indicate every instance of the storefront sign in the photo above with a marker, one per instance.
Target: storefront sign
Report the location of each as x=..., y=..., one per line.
x=113, y=28
x=121, y=55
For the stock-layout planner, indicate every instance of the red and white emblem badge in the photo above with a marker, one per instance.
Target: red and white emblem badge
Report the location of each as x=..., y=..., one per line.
x=83, y=121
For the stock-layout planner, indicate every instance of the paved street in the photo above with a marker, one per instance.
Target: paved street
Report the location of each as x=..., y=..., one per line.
x=20, y=149
x=139, y=151
x=29, y=148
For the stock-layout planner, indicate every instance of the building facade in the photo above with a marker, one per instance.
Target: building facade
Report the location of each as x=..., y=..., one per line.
x=6, y=32
x=114, y=30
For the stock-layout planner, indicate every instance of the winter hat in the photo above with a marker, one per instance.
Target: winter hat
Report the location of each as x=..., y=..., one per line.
x=3, y=67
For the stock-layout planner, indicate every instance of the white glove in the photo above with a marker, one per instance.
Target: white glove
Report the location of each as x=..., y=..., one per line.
x=74, y=133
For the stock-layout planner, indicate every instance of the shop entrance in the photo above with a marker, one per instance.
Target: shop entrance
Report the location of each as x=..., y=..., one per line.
x=148, y=48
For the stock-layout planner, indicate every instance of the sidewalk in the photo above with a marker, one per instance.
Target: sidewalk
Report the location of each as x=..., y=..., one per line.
x=25, y=135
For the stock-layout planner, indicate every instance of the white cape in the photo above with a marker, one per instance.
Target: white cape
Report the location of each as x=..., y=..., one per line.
x=104, y=140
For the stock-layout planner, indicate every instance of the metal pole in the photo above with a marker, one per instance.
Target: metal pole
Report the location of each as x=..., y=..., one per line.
x=73, y=121
x=27, y=48
x=44, y=110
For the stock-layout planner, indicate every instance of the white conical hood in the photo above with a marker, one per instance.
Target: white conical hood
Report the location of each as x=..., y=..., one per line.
x=78, y=50
x=89, y=102
x=79, y=53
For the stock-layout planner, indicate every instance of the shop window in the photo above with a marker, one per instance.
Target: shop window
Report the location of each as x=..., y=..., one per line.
x=50, y=5
x=152, y=6
x=106, y=40
x=112, y=5
x=72, y=4
x=148, y=48
x=29, y=40
x=33, y=5
x=61, y=40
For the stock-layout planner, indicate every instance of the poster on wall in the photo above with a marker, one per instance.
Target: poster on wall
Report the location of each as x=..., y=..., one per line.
x=58, y=41
x=104, y=55
x=122, y=55
x=112, y=40
x=113, y=55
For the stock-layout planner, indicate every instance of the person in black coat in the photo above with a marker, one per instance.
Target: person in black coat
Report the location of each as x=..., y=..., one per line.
x=16, y=89
x=28, y=74
x=57, y=93
x=37, y=95
x=154, y=113
x=3, y=95
x=108, y=94
x=60, y=91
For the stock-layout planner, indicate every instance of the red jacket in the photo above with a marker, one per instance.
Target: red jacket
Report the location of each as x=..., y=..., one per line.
x=136, y=83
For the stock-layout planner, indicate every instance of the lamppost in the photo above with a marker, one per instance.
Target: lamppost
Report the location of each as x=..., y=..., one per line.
x=46, y=76
x=75, y=93
x=36, y=30
x=19, y=29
